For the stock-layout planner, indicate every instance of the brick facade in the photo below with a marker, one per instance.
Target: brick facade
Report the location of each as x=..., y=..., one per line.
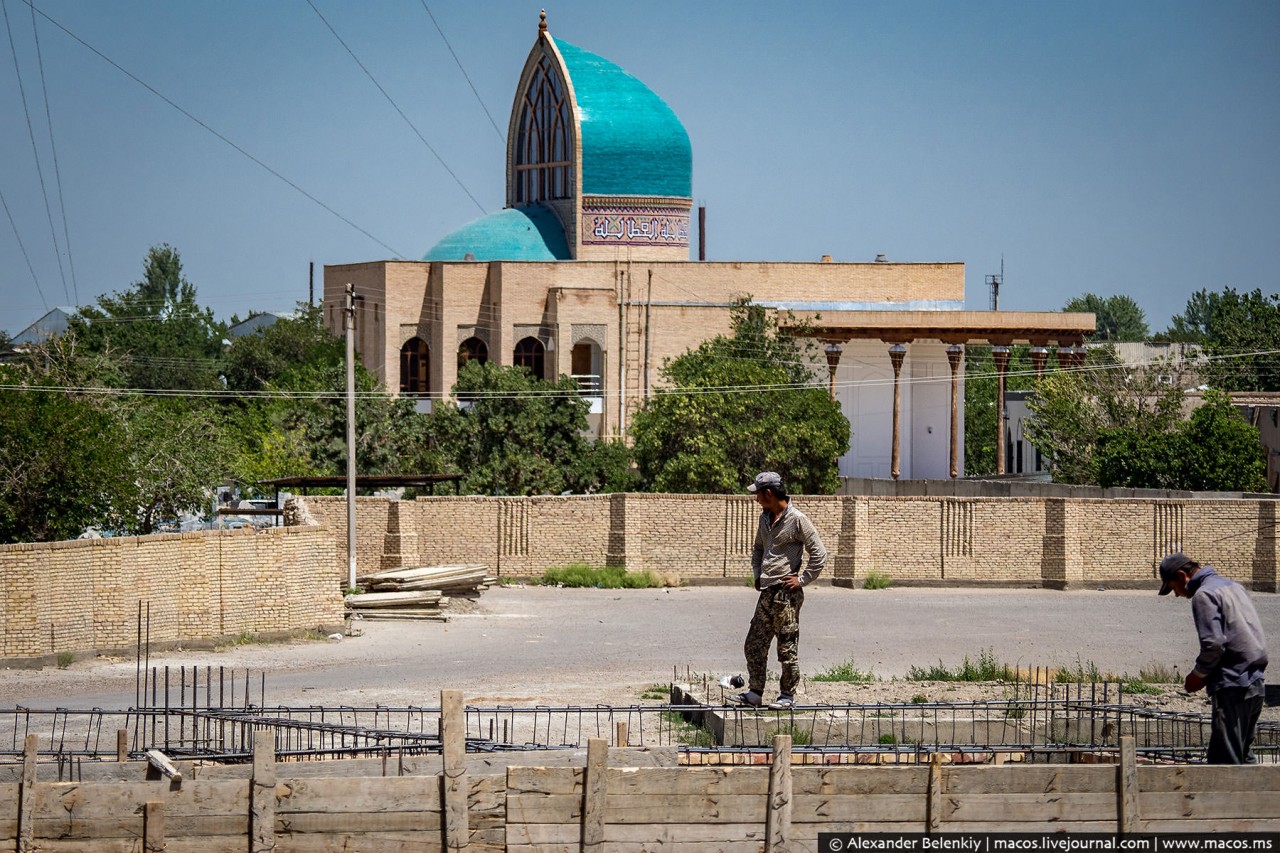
x=1052, y=542
x=83, y=595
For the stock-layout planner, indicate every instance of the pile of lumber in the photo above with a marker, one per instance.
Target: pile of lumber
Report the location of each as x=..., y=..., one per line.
x=418, y=592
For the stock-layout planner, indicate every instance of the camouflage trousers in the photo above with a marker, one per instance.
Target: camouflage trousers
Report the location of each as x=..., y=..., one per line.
x=777, y=615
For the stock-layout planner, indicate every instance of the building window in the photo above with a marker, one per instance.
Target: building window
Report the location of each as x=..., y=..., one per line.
x=472, y=349
x=531, y=355
x=414, y=362
x=543, y=156
x=584, y=364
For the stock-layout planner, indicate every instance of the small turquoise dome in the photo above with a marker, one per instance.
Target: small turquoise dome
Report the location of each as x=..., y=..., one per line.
x=514, y=234
x=632, y=142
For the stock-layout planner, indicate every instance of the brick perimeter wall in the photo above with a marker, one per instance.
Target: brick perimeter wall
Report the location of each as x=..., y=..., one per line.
x=1053, y=542
x=83, y=595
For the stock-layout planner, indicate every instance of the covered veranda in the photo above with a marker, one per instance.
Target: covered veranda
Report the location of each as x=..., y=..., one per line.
x=905, y=333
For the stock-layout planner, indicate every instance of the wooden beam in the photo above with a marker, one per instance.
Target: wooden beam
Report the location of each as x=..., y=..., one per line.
x=594, y=792
x=934, y=793
x=27, y=795
x=262, y=792
x=153, y=827
x=161, y=762
x=777, y=835
x=122, y=744
x=621, y=739
x=453, y=780
x=1127, y=786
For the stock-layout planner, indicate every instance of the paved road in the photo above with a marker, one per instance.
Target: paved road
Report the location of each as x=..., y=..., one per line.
x=562, y=646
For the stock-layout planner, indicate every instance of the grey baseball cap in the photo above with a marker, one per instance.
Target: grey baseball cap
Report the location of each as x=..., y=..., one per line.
x=1169, y=568
x=766, y=480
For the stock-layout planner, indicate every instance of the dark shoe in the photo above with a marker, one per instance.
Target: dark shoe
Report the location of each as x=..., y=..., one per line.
x=749, y=698
x=783, y=703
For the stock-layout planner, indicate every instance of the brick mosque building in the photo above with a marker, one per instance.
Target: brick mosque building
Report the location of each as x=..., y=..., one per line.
x=586, y=272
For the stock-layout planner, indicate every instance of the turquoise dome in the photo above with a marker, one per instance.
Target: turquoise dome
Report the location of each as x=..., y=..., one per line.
x=632, y=142
x=514, y=234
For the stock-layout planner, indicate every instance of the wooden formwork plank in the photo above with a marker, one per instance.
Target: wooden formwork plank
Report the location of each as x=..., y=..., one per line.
x=778, y=821
x=1259, y=824
x=10, y=796
x=1127, y=786
x=594, y=795
x=546, y=780
x=379, y=794
x=1205, y=777
x=131, y=825
x=223, y=844
x=809, y=831
x=1206, y=805
x=692, y=781
x=366, y=822
x=1040, y=808
x=262, y=792
x=857, y=779
x=453, y=780
x=543, y=837
x=346, y=842
x=96, y=800
x=815, y=808
x=27, y=795
x=1046, y=826
x=153, y=827
x=1084, y=779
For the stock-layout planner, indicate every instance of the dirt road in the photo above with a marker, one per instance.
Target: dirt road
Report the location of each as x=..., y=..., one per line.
x=574, y=646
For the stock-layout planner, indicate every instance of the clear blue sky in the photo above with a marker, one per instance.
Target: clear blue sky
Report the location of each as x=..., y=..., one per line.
x=1112, y=147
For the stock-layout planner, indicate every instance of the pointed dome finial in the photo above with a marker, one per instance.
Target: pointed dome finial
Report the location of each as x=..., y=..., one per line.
x=542, y=21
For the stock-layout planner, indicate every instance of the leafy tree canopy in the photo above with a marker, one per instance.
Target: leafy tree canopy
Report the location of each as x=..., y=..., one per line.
x=1118, y=317
x=513, y=434
x=1240, y=333
x=156, y=330
x=1215, y=450
x=738, y=405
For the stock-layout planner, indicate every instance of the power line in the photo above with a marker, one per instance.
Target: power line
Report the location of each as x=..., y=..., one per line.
x=35, y=149
x=480, y=100
x=396, y=106
x=135, y=78
x=57, y=171
x=25, y=257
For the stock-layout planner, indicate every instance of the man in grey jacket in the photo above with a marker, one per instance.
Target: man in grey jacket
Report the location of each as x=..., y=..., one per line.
x=1233, y=654
x=783, y=534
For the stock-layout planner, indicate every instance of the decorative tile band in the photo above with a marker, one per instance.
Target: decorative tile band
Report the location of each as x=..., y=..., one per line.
x=635, y=226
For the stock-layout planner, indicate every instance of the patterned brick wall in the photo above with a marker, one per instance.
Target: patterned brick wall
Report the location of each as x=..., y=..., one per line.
x=1053, y=542
x=83, y=595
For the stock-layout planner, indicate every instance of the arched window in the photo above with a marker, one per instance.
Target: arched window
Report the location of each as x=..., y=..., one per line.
x=414, y=362
x=531, y=355
x=472, y=349
x=543, y=155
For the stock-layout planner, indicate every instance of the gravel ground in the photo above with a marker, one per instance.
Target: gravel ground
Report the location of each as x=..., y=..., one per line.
x=537, y=645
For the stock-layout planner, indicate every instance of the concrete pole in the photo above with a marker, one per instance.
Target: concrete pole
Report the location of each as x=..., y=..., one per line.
x=896, y=353
x=351, y=434
x=954, y=352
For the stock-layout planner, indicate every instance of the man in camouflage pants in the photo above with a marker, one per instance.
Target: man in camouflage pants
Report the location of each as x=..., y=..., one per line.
x=782, y=536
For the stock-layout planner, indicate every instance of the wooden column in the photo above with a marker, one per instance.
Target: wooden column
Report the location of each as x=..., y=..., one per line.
x=777, y=837
x=262, y=792
x=897, y=353
x=1001, y=357
x=954, y=353
x=594, y=794
x=27, y=795
x=1038, y=357
x=934, y=808
x=457, y=832
x=832, y=351
x=153, y=827
x=1127, y=786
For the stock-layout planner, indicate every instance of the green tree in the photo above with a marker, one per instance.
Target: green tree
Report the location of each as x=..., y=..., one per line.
x=1214, y=450
x=980, y=408
x=161, y=337
x=736, y=405
x=1074, y=409
x=513, y=434
x=1118, y=317
x=1240, y=333
x=59, y=459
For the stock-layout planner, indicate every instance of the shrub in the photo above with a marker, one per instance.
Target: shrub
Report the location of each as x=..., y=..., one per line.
x=609, y=577
x=875, y=580
x=844, y=672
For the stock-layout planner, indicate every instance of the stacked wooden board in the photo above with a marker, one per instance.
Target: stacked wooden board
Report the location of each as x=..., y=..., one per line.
x=421, y=592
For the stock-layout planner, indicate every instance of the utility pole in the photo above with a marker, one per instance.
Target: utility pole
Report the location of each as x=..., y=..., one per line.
x=350, y=311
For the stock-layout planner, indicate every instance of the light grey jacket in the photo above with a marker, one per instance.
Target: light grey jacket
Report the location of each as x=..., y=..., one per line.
x=780, y=545
x=1233, y=649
